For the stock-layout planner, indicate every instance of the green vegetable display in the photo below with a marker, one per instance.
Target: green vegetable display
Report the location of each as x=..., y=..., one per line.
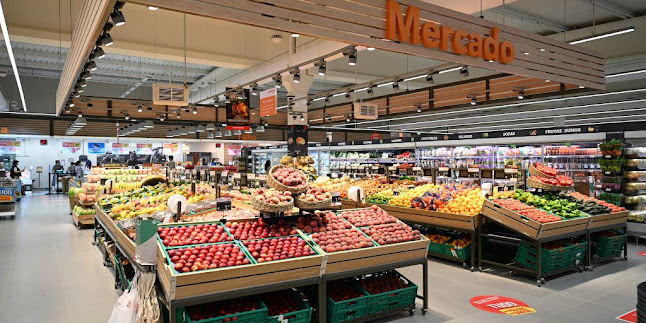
x=378, y=199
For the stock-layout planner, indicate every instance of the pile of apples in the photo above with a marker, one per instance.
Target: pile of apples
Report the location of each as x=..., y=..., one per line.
x=366, y=217
x=259, y=229
x=289, y=176
x=382, y=283
x=546, y=180
x=272, y=196
x=321, y=222
x=392, y=233
x=339, y=290
x=545, y=169
x=265, y=250
x=193, y=234
x=315, y=195
x=280, y=302
x=564, y=180
x=341, y=240
x=207, y=257
x=222, y=308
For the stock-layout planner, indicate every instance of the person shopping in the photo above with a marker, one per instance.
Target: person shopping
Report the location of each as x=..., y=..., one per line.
x=15, y=171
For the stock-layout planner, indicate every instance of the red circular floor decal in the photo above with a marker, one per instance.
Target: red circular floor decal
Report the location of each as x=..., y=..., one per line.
x=642, y=253
x=501, y=305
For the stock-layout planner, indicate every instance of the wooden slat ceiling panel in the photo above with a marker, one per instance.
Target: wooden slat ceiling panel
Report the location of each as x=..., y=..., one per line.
x=546, y=59
x=25, y=126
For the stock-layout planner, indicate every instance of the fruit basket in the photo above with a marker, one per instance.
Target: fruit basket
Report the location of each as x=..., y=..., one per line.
x=285, y=178
x=387, y=291
x=286, y=306
x=532, y=182
x=273, y=201
x=208, y=313
x=534, y=170
x=272, y=208
x=314, y=198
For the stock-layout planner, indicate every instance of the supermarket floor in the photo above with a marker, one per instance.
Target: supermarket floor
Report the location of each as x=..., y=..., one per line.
x=50, y=272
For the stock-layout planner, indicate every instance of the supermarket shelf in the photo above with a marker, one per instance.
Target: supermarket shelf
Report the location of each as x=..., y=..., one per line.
x=580, y=170
x=521, y=156
x=579, y=156
x=636, y=229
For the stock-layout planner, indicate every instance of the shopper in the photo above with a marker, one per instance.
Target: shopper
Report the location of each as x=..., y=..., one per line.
x=267, y=166
x=57, y=166
x=216, y=162
x=88, y=164
x=171, y=163
x=72, y=168
x=132, y=159
x=15, y=171
x=79, y=171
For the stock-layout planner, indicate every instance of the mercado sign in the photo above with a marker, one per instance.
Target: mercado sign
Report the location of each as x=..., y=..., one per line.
x=432, y=35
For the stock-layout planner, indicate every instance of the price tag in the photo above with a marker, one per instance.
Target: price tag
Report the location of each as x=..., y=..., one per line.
x=375, y=167
x=443, y=169
x=323, y=266
x=236, y=175
x=511, y=171
x=212, y=174
x=225, y=174
x=608, y=189
x=336, y=199
x=513, y=180
x=473, y=170
x=237, y=188
x=392, y=168
x=417, y=169
x=608, y=156
x=262, y=177
x=335, y=175
x=454, y=253
x=251, y=176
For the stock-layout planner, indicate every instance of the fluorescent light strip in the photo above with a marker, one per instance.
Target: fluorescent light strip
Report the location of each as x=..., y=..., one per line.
x=385, y=84
x=525, y=112
x=529, y=118
x=610, y=34
x=415, y=78
x=450, y=70
x=5, y=33
x=506, y=106
x=625, y=73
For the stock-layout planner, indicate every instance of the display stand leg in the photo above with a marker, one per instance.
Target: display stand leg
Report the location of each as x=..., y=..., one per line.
x=588, y=254
x=473, y=249
x=322, y=301
x=172, y=313
x=538, y=264
x=479, y=246
x=425, y=286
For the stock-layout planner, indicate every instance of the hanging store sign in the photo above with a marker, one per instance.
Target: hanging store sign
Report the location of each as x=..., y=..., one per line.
x=96, y=147
x=144, y=149
x=297, y=140
x=238, y=113
x=120, y=148
x=268, y=102
x=501, y=305
x=10, y=146
x=71, y=147
x=170, y=149
x=409, y=30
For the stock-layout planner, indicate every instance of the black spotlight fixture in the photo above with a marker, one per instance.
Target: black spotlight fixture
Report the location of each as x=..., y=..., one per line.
x=108, y=26
x=296, y=75
x=117, y=15
x=464, y=71
x=194, y=110
x=140, y=108
x=91, y=66
x=327, y=99
x=266, y=123
x=254, y=89
x=419, y=108
x=127, y=117
x=76, y=94
x=179, y=115
x=329, y=118
x=149, y=108
x=78, y=88
x=429, y=77
x=105, y=40
x=322, y=67
x=371, y=89
x=302, y=117
x=348, y=94
x=85, y=75
x=521, y=94
x=82, y=83
x=352, y=57
x=187, y=110
x=396, y=84
x=278, y=80
x=99, y=53
x=309, y=102
x=474, y=100
x=348, y=118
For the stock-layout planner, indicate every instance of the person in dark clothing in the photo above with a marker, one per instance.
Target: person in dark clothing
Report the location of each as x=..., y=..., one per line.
x=57, y=167
x=15, y=171
x=267, y=166
x=132, y=160
x=88, y=164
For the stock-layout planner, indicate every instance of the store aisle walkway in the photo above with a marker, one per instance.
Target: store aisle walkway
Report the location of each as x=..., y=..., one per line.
x=49, y=270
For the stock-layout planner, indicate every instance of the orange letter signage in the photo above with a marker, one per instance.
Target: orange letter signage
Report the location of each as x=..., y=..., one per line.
x=408, y=29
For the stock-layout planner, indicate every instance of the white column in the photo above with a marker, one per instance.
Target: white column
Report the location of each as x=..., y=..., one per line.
x=298, y=90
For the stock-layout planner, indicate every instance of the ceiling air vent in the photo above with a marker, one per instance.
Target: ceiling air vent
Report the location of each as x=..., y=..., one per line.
x=170, y=94
x=366, y=111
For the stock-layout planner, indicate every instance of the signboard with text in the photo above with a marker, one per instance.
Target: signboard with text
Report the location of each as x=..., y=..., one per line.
x=170, y=149
x=71, y=147
x=120, y=148
x=238, y=111
x=10, y=146
x=268, y=102
x=501, y=305
x=96, y=147
x=144, y=149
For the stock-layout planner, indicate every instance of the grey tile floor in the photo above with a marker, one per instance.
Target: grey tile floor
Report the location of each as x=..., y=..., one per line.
x=50, y=272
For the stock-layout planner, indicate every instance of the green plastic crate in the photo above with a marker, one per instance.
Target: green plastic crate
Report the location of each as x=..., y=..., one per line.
x=577, y=252
x=438, y=248
x=304, y=315
x=256, y=316
x=551, y=260
x=609, y=246
x=459, y=253
x=393, y=299
x=348, y=309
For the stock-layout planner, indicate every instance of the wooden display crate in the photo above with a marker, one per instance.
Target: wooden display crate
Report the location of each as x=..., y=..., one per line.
x=603, y=220
x=530, y=228
x=424, y=217
x=122, y=238
x=178, y=286
x=82, y=219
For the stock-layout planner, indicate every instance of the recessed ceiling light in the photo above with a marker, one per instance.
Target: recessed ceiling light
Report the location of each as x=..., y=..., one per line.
x=152, y=8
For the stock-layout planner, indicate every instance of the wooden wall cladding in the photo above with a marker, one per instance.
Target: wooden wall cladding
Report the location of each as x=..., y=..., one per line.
x=17, y=126
x=92, y=18
x=363, y=22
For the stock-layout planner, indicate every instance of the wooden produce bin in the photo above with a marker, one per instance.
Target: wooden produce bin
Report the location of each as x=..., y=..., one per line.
x=184, y=285
x=374, y=256
x=433, y=218
x=121, y=238
x=79, y=220
x=609, y=219
x=530, y=228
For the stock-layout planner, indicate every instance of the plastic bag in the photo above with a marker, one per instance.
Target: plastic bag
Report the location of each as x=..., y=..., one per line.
x=125, y=310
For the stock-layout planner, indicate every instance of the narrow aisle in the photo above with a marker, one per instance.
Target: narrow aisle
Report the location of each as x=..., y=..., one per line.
x=50, y=271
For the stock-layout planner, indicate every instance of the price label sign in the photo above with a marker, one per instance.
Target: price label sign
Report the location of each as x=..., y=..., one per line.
x=336, y=199
x=262, y=177
x=251, y=176
x=443, y=169
x=511, y=171
x=473, y=170
x=396, y=193
x=501, y=305
x=417, y=169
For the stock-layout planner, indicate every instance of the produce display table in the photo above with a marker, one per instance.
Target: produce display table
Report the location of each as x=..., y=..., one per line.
x=449, y=221
x=537, y=234
x=82, y=220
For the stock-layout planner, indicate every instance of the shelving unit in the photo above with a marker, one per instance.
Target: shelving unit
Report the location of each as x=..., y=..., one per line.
x=634, y=190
